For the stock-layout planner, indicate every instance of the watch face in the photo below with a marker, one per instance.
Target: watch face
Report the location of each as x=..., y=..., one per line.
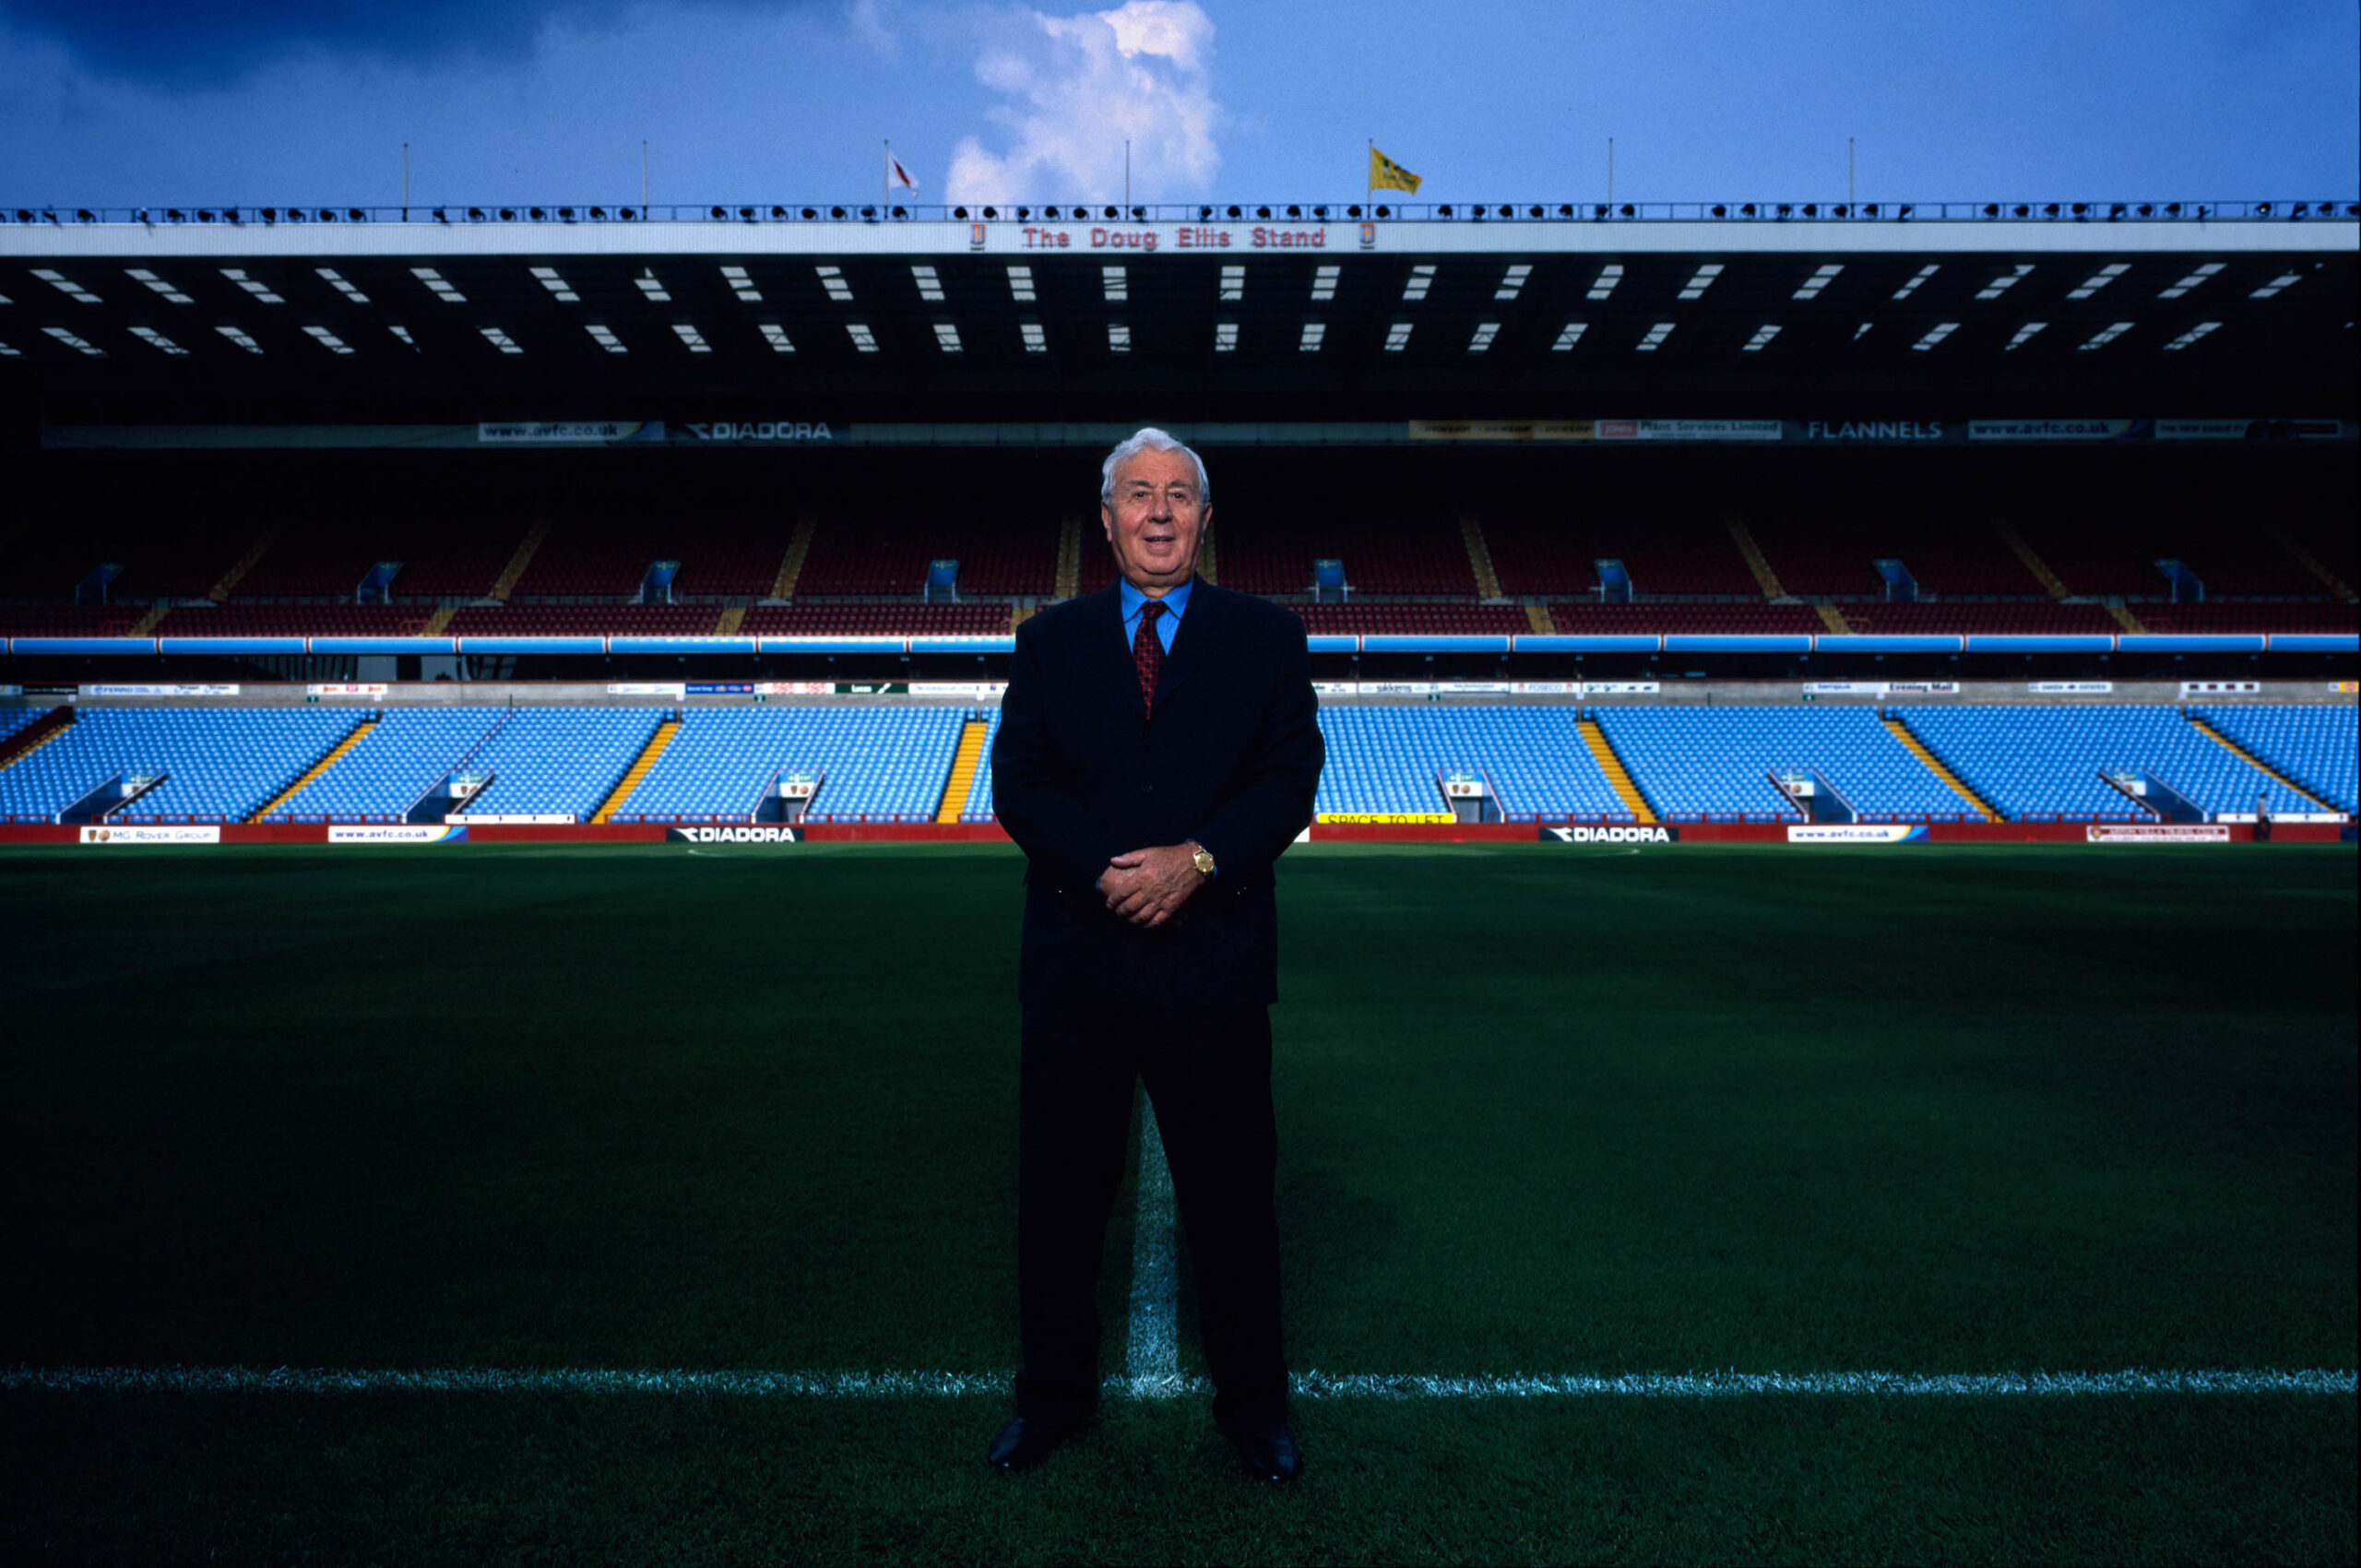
x=1205, y=861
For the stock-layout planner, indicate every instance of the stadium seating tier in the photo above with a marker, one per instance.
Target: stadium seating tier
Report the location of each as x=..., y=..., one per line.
x=1391, y=759
x=854, y=619
x=557, y=761
x=584, y=619
x=2015, y=617
x=877, y=764
x=392, y=765
x=218, y=763
x=69, y=620
x=1436, y=620
x=1701, y=618
x=2316, y=745
x=890, y=763
x=1719, y=764
x=2050, y=763
x=240, y=618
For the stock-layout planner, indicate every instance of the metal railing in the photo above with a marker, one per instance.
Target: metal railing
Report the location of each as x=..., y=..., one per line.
x=241, y=215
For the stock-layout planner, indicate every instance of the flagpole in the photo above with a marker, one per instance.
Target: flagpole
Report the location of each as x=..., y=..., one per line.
x=885, y=183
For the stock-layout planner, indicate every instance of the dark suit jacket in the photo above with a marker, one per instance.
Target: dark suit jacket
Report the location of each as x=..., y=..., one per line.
x=1081, y=775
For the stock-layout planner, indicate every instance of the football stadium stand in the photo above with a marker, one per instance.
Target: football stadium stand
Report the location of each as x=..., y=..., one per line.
x=1443, y=620
x=1831, y=552
x=1726, y=615
x=241, y=618
x=46, y=564
x=2015, y=617
x=2065, y=544
x=1662, y=555
x=871, y=554
x=557, y=761
x=1696, y=617
x=211, y=763
x=1957, y=554
x=392, y=766
x=1686, y=555
x=1545, y=556
x=855, y=619
x=2322, y=542
x=1722, y=763
x=2053, y=764
x=978, y=807
x=461, y=565
x=2251, y=616
x=584, y=619
x=2316, y=746
x=1274, y=554
x=715, y=559
x=69, y=620
x=330, y=558
x=192, y=561
x=1391, y=760
x=895, y=764
x=873, y=764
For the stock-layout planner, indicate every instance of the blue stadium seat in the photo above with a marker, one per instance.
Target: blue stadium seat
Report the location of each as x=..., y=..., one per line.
x=979, y=790
x=391, y=767
x=220, y=764
x=2049, y=764
x=557, y=761
x=1717, y=763
x=2318, y=745
x=880, y=764
x=1385, y=758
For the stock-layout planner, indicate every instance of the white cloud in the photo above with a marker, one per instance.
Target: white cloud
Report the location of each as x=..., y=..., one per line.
x=869, y=23
x=1083, y=86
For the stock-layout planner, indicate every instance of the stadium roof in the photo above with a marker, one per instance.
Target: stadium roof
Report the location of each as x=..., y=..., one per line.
x=549, y=313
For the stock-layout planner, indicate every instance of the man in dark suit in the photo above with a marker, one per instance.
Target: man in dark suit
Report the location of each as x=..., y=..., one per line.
x=1158, y=751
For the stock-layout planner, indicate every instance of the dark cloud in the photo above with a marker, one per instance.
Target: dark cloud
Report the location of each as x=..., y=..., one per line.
x=204, y=42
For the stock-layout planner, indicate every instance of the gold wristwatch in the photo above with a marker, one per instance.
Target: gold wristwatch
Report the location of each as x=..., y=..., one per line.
x=1201, y=857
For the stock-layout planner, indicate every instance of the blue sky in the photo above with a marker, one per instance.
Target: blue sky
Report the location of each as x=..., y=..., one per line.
x=284, y=101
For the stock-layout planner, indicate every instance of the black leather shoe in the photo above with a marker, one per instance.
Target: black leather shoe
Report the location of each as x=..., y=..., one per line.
x=1269, y=1454
x=1023, y=1444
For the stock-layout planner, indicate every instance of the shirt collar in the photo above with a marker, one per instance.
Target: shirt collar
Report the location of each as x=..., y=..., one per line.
x=1176, y=603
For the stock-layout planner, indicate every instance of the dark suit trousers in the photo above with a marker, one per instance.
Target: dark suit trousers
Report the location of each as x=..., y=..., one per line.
x=1208, y=1075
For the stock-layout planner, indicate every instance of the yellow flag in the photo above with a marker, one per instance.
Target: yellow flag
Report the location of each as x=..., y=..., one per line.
x=1384, y=174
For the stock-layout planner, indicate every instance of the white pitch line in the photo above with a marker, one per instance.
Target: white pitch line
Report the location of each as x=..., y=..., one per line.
x=1304, y=1386
x=1909, y=1385
x=1152, y=1349
x=501, y=1380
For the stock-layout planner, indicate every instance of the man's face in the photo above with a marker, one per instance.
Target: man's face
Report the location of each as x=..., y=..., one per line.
x=1155, y=521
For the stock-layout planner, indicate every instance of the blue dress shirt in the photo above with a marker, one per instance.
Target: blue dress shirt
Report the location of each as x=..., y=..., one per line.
x=1176, y=604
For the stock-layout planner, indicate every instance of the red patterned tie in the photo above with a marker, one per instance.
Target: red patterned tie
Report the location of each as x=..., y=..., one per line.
x=1147, y=654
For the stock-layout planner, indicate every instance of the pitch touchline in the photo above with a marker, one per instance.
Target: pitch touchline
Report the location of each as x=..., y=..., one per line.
x=1305, y=1385
x=1152, y=1364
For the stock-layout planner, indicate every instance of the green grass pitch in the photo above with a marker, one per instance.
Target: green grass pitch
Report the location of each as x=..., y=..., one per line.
x=1543, y=1110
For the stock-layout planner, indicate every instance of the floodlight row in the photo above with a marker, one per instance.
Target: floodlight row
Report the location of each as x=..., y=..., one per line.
x=1294, y=212
x=1312, y=338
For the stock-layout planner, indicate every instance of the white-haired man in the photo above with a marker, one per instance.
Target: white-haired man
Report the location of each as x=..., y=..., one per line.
x=1160, y=749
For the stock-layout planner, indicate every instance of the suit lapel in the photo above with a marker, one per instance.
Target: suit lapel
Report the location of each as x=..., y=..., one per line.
x=1103, y=617
x=1195, y=634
